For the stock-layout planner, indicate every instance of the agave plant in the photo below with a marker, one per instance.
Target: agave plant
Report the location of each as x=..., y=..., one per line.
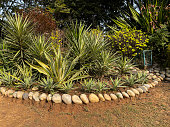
x=60, y=68
x=142, y=77
x=130, y=80
x=88, y=85
x=17, y=35
x=65, y=87
x=26, y=77
x=123, y=65
x=116, y=83
x=48, y=84
x=100, y=86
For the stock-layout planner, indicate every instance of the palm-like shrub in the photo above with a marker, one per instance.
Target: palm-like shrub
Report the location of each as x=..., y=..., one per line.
x=123, y=65
x=17, y=34
x=141, y=77
x=60, y=68
x=88, y=85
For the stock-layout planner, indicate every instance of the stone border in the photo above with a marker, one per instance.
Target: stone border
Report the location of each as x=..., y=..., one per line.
x=83, y=98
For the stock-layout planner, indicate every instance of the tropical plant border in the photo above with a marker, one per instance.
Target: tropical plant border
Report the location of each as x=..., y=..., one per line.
x=83, y=98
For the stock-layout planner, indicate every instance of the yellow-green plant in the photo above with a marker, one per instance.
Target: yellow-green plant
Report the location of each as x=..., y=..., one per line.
x=128, y=41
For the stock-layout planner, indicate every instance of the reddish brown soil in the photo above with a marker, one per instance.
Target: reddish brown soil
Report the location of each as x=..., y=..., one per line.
x=147, y=110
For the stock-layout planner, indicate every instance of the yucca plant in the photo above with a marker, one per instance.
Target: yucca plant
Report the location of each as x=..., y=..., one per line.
x=76, y=35
x=65, y=87
x=48, y=84
x=104, y=64
x=60, y=68
x=123, y=65
x=88, y=85
x=17, y=35
x=116, y=83
x=39, y=46
x=130, y=80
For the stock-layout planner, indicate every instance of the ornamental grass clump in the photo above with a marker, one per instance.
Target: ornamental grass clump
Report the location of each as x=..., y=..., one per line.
x=128, y=41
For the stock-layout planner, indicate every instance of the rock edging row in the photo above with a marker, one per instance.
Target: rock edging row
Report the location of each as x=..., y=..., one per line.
x=83, y=98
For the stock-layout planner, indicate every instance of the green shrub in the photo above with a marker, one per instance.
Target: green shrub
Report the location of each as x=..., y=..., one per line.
x=141, y=77
x=88, y=85
x=100, y=86
x=129, y=42
x=130, y=80
x=65, y=87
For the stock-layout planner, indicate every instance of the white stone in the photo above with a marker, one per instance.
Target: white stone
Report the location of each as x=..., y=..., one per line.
x=84, y=98
x=43, y=96
x=101, y=97
x=56, y=98
x=167, y=79
x=36, y=96
x=156, y=82
x=125, y=94
x=10, y=93
x=3, y=90
x=147, y=86
x=76, y=99
x=119, y=95
x=15, y=94
x=132, y=94
x=93, y=98
x=113, y=96
x=107, y=97
x=19, y=94
x=30, y=95
x=49, y=97
x=140, y=90
x=66, y=98
x=162, y=75
x=143, y=88
x=34, y=88
x=135, y=91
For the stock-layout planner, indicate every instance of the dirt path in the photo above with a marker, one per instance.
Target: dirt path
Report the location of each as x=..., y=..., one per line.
x=148, y=110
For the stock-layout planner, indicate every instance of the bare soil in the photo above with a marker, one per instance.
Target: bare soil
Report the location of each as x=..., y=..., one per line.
x=150, y=109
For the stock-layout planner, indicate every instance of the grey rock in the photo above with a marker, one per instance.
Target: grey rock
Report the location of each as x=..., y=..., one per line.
x=147, y=86
x=25, y=96
x=162, y=75
x=162, y=72
x=84, y=98
x=157, y=74
x=56, y=98
x=66, y=98
x=76, y=99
